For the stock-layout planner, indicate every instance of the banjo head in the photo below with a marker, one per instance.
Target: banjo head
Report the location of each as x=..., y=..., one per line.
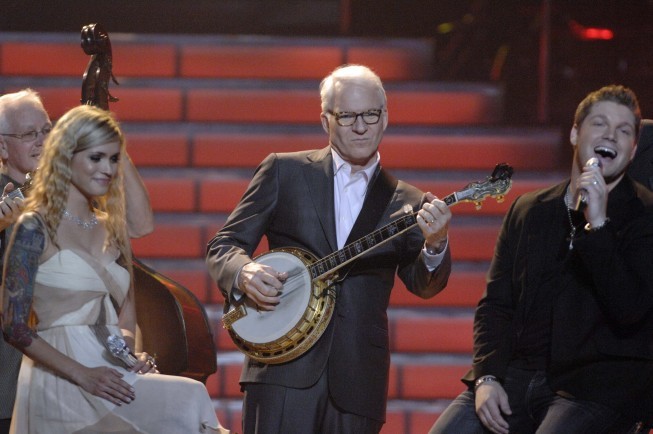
x=297, y=322
x=261, y=327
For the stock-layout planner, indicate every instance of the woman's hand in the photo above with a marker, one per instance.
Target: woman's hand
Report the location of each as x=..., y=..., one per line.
x=106, y=383
x=145, y=364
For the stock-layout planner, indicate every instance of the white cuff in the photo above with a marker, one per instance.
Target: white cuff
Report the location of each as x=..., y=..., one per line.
x=432, y=261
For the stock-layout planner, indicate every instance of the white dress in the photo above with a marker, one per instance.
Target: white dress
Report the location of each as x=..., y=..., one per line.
x=71, y=288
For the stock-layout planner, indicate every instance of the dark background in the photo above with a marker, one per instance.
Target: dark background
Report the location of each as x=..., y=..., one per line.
x=475, y=40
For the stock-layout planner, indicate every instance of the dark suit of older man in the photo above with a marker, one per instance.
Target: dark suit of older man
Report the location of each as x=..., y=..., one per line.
x=290, y=200
x=320, y=201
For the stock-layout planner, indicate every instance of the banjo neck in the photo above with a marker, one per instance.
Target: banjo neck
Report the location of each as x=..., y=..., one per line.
x=496, y=185
x=352, y=251
x=336, y=260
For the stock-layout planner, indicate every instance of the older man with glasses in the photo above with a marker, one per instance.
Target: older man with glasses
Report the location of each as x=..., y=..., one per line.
x=320, y=201
x=24, y=124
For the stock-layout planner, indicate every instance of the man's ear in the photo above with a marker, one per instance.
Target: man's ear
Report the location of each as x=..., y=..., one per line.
x=325, y=122
x=573, y=136
x=4, y=152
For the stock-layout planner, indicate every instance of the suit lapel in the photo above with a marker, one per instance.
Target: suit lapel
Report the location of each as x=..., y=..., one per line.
x=318, y=174
x=381, y=190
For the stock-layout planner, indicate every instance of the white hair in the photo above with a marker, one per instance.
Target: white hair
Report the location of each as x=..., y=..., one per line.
x=12, y=103
x=352, y=73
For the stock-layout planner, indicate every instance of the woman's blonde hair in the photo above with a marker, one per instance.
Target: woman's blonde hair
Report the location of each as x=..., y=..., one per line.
x=79, y=129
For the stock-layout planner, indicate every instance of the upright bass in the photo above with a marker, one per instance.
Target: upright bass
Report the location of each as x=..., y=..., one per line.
x=172, y=322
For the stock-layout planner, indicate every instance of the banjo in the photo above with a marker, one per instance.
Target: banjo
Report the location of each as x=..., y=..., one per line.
x=308, y=294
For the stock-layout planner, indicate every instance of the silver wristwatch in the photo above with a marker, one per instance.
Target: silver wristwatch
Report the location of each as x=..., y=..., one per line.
x=484, y=379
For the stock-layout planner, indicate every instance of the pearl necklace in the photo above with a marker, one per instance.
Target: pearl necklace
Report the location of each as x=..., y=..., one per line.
x=79, y=222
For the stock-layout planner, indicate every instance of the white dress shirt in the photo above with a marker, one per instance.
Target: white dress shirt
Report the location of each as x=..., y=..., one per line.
x=349, y=191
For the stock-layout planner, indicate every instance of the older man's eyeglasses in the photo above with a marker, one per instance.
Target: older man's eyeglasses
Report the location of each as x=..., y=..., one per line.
x=347, y=119
x=30, y=135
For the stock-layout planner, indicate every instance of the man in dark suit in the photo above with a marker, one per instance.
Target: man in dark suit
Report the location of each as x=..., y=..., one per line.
x=319, y=201
x=562, y=335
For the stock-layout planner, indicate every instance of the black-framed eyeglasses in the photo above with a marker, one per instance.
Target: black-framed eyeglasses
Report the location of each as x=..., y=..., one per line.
x=30, y=135
x=347, y=119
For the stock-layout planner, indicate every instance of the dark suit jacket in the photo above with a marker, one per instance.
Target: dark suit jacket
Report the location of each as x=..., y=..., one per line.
x=290, y=200
x=602, y=324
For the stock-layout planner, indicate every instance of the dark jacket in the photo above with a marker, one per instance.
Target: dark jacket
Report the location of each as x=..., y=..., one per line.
x=602, y=323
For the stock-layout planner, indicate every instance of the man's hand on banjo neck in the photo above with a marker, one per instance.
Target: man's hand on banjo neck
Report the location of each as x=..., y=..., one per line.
x=433, y=219
x=262, y=284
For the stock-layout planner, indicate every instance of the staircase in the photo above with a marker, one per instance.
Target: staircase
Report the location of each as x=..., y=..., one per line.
x=200, y=112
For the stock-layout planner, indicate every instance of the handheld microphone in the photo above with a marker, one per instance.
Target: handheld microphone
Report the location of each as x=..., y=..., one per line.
x=118, y=348
x=580, y=194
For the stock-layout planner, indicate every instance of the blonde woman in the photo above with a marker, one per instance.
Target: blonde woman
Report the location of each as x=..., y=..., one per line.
x=67, y=288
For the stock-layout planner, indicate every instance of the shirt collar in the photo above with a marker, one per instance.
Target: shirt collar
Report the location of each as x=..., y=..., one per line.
x=339, y=163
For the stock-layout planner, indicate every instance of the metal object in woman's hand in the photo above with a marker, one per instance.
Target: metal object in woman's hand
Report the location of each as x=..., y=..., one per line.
x=118, y=348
